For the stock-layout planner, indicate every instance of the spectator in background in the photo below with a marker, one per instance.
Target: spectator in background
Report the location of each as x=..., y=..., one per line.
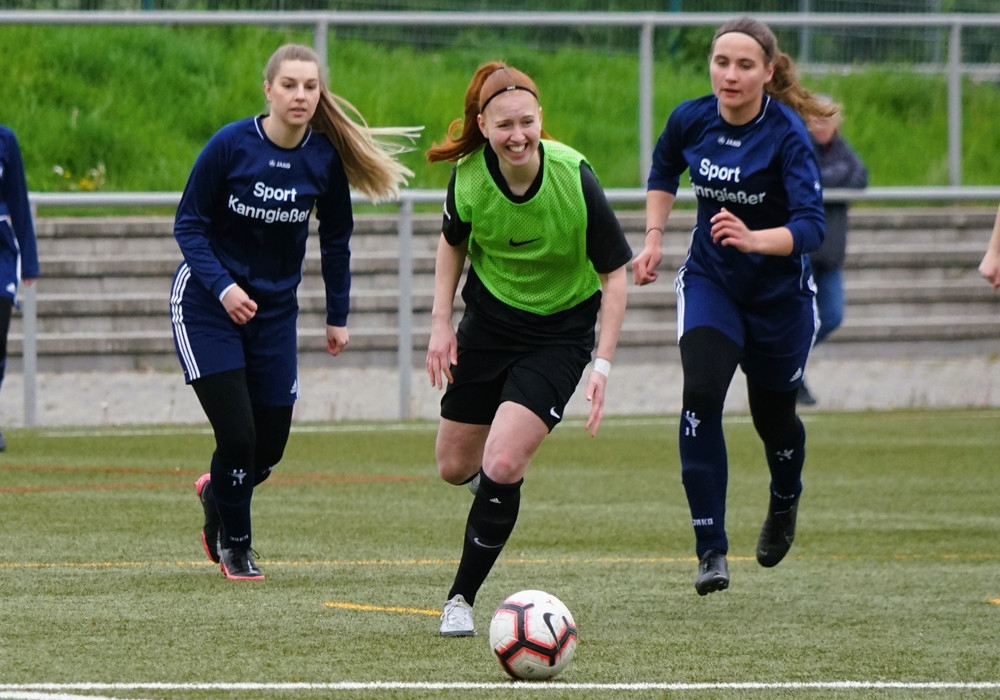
x=989, y=268
x=18, y=247
x=839, y=167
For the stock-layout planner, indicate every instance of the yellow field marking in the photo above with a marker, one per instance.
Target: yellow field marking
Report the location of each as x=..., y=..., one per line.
x=381, y=608
x=995, y=601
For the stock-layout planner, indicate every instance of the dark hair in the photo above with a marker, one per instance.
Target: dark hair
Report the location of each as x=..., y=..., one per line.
x=464, y=136
x=784, y=84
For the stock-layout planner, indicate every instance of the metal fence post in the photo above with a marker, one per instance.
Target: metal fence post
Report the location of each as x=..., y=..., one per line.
x=320, y=34
x=405, y=347
x=29, y=352
x=645, y=101
x=955, y=105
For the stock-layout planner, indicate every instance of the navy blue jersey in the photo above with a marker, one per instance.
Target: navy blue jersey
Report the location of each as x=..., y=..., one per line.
x=764, y=172
x=18, y=247
x=244, y=216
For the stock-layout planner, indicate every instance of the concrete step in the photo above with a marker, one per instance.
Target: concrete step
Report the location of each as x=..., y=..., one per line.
x=910, y=277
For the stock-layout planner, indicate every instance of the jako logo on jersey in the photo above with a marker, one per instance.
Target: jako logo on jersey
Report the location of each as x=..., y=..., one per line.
x=735, y=143
x=279, y=164
x=265, y=193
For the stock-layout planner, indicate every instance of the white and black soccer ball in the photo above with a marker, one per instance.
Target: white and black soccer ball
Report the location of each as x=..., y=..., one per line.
x=533, y=635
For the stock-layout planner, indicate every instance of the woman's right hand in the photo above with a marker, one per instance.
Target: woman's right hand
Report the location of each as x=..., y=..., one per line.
x=989, y=269
x=238, y=304
x=645, y=263
x=442, y=353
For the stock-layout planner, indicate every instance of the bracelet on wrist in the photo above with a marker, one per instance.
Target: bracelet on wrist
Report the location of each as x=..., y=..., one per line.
x=602, y=366
x=654, y=228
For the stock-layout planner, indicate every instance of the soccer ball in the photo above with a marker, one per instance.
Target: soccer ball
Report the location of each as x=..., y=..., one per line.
x=533, y=635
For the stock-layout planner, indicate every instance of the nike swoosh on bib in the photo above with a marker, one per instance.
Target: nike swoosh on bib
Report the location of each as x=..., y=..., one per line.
x=516, y=244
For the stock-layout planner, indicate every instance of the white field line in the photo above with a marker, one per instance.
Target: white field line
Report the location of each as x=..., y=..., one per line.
x=40, y=691
x=667, y=421
x=33, y=695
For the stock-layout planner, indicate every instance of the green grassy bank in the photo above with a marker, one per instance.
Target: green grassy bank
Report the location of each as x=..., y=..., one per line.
x=128, y=108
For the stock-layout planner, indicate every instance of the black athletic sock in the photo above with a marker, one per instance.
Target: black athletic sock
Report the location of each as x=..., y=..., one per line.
x=232, y=490
x=491, y=520
x=705, y=475
x=785, y=463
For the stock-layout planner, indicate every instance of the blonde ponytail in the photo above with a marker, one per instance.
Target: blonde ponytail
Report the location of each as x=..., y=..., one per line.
x=369, y=155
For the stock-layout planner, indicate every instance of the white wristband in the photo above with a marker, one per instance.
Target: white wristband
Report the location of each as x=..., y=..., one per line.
x=602, y=366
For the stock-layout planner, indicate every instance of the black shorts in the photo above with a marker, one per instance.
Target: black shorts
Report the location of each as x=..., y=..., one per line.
x=489, y=371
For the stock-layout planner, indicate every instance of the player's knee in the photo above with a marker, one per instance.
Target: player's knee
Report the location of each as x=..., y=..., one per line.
x=266, y=457
x=703, y=397
x=455, y=470
x=236, y=448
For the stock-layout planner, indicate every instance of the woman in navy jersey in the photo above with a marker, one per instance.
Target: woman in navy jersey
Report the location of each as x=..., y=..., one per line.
x=18, y=247
x=242, y=226
x=744, y=292
x=546, y=256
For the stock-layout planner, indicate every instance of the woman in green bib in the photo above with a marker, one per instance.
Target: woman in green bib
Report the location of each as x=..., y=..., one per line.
x=546, y=256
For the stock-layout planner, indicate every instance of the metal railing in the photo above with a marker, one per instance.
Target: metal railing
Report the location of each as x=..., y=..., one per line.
x=404, y=229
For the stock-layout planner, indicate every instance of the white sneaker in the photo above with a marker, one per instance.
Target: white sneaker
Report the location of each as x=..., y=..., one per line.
x=456, y=620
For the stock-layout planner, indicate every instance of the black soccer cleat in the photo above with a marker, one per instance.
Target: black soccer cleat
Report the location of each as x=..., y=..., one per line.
x=778, y=532
x=238, y=565
x=713, y=573
x=211, y=531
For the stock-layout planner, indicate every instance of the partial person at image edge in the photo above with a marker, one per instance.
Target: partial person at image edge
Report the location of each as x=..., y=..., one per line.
x=18, y=245
x=989, y=268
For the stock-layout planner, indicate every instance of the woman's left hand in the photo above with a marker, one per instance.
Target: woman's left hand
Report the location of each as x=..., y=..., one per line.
x=728, y=229
x=596, y=386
